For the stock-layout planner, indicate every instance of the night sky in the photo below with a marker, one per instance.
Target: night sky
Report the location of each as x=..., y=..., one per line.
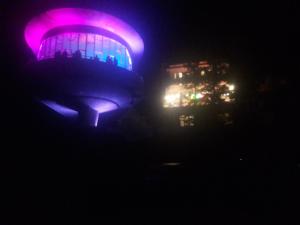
x=51, y=171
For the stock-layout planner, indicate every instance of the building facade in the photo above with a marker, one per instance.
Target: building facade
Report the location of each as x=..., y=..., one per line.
x=85, y=63
x=199, y=93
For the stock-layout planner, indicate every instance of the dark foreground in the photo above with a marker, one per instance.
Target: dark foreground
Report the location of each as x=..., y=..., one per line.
x=247, y=173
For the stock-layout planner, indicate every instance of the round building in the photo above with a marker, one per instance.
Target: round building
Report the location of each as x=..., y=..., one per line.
x=85, y=62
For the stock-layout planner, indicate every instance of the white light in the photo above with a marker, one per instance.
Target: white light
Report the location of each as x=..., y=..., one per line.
x=171, y=98
x=96, y=120
x=180, y=75
x=41, y=46
x=199, y=95
x=231, y=87
x=129, y=58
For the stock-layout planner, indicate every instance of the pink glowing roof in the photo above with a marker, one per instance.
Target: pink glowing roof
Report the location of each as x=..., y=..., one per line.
x=43, y=23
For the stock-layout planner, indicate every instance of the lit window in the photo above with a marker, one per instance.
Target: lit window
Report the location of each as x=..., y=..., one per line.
x=180, y=75
x=172, y=100
x=122, y=56
x=59, y=43
x=66, y=42
x=231, y=87
x=227, y=97
x=74, y=42
x=186, y=121
x=225, y=118
x=188, y=94
x=82, y=44
x=90, y=38
x=90, y=46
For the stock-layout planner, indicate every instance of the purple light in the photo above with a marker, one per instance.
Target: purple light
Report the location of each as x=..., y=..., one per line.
x=99, y=105
x=96, y=120
x=63, y=110
x=41, y=24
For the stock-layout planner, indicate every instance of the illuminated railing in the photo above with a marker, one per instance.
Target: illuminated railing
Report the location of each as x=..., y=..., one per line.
x=90, y=45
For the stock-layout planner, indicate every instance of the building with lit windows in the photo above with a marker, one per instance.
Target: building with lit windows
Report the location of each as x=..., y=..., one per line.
x=85, y=63
x=197, y=92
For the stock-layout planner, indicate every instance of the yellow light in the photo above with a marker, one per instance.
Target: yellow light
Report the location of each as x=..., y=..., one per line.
x=231, y=87
x=172, y=98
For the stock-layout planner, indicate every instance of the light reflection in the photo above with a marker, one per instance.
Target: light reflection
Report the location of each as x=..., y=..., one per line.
x=100, y=105
x=61, y=109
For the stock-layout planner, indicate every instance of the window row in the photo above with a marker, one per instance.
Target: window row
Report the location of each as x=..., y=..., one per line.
x=186, y=121
x=180, y=75
x=183, y=95
x=190, y=94
x=91, y=46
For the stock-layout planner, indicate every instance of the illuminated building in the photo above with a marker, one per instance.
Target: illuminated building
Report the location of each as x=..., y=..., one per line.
x=85, y=62
x=196, y=87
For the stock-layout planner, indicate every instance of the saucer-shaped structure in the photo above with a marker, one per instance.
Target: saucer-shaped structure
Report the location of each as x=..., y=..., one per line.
x=86, y=62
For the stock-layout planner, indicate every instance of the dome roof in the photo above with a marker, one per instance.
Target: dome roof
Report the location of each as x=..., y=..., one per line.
x=40, y=25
